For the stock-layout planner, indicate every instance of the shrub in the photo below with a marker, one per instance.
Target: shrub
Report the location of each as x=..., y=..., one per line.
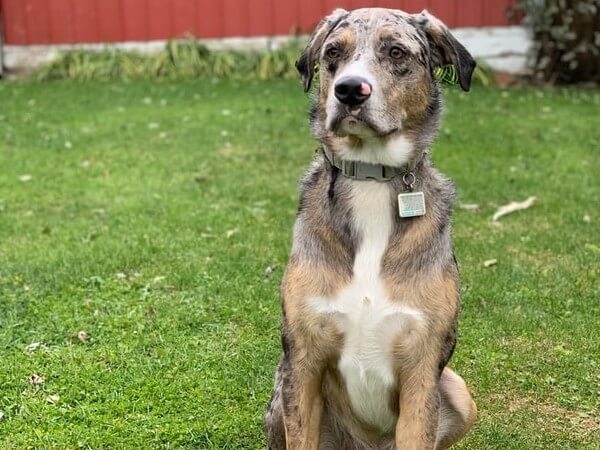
x=566, y=37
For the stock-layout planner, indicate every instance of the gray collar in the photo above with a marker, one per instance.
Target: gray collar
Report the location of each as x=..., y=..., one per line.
x=359, y=170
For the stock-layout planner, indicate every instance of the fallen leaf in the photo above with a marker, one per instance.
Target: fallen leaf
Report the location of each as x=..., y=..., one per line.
x=82, y=336
x=230, y=233
x=33, y=347
x=269, y=271
x=36, y=379
x=53, y=399
x=587, y=218
x=490, y=262
x=512, y=207
x=25, y=178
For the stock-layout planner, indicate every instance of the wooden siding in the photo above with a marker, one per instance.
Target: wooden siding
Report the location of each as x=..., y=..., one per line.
x=28, y=22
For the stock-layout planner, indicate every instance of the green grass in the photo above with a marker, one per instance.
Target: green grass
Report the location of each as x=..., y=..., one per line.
x=196, y=182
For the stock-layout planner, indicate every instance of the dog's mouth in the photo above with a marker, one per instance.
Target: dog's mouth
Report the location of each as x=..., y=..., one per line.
x=356, y=123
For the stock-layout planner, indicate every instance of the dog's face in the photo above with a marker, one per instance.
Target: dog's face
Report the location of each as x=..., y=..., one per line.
x=376, y=72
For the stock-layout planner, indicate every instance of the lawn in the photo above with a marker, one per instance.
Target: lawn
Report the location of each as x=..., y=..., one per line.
x=144, y=228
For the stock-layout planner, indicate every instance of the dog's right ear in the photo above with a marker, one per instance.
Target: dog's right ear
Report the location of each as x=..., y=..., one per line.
x=308, y=59
x=446, y=49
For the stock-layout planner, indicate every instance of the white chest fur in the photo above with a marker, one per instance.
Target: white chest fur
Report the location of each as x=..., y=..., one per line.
x=370, y=321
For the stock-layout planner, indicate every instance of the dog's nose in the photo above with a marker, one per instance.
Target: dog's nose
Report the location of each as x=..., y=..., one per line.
x=352, y=91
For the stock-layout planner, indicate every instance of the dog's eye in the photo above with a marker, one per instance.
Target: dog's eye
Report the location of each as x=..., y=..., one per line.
x=332, y=53
x=396, y=52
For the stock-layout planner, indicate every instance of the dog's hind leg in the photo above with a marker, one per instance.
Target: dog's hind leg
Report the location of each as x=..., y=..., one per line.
x=457, y=410
x=273, y=420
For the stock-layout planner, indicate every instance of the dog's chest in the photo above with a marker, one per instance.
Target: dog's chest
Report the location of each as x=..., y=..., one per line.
x=369, y=320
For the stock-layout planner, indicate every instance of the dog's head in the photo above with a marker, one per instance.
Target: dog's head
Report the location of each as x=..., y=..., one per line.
x=376, y=82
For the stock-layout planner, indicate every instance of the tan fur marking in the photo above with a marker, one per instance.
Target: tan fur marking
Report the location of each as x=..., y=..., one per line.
x=346, y=39
x=316, y=340
x=416, y=355
x=302, y=427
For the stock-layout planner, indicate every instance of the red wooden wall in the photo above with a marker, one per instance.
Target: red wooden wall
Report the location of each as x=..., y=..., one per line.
x=86, y=21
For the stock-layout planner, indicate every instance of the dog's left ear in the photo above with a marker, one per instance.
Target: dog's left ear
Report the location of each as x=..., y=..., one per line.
x=308, y=59
x=445, y=49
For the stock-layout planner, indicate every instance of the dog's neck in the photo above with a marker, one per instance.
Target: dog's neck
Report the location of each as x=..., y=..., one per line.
x=394, y=158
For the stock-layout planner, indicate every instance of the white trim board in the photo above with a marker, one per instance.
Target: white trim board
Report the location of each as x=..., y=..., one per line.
x=503, y=48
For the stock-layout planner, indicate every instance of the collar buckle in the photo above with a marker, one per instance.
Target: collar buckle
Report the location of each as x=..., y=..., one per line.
x=366, y=171
x=359, y=170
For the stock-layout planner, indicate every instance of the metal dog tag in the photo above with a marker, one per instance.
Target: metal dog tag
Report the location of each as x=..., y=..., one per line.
x=411, y=204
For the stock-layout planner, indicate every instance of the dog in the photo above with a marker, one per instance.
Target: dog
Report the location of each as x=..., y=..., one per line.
x=371, y=293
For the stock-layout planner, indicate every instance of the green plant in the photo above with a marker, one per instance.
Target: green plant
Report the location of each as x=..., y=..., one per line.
x=178, y=60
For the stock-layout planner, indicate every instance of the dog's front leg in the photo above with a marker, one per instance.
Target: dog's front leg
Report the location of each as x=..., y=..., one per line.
x=417, y=424
x=302, y=405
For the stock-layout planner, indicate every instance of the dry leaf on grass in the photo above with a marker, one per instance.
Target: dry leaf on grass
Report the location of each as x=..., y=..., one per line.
x=231, y=233
x=82, y=336
x=25, y=178
x=33, y=347
x=512, y=207
x=36, y=379
x=53, y=399
x=490, y=262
